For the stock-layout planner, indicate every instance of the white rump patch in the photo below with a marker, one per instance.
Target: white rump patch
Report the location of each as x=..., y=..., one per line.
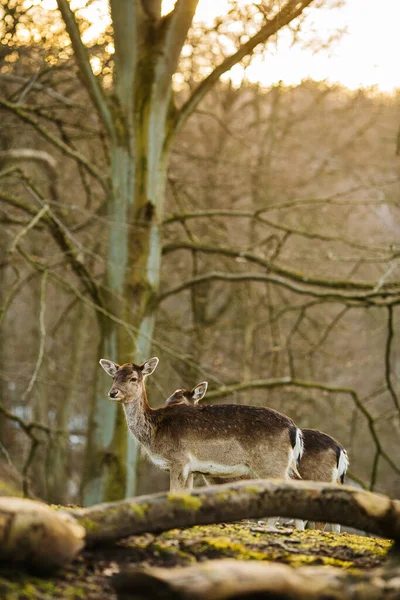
x=343, y=463
x=296, y=453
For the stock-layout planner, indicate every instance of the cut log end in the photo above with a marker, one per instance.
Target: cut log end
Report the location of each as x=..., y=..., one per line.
x=34, y=534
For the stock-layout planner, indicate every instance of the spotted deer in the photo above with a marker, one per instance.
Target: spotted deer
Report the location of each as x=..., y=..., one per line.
x=224, y=441
x=324, y=459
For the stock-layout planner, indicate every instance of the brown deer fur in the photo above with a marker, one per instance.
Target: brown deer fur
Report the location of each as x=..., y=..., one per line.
x=222, y=441
x=324, y=459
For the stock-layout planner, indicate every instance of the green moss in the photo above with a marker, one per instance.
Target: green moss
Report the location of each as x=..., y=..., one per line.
x=185, y=501
x=26, y=587
x=90, y=525
x=251, y=489
x=225, y=495
x=139, y=510
x=226, y=547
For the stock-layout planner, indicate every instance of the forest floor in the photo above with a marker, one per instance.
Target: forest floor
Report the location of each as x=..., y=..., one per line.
x=89, y=577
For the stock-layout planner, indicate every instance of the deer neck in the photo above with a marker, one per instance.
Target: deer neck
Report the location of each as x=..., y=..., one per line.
x=138, y=415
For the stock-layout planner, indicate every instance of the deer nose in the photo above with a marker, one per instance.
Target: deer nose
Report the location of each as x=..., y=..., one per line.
x=113, y=393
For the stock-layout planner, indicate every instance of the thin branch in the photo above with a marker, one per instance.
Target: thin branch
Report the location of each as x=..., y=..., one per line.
x=291, y=10
x=288, y=230
x=42, y=331
x=25, y=471
x=82, y=58
x=39, y=86
x=55, y=141
x=130, y=329
x=274, y=268
x=374, y=471
x=28, y=227
x=352, y=299
x=327, y=331
x=60, y=234
x=29, y=427
x=289, y=338
x=388, y=349
x=16, y=287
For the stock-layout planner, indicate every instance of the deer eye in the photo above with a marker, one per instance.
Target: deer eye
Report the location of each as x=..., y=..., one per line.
x=134, y=379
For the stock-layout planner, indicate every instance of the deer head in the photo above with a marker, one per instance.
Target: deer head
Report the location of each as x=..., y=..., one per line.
x=188, y=396
x=128, y=384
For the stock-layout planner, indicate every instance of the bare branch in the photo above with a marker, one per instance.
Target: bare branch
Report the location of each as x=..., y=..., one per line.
x=388, y=349
x=298, y=277
x=82, y=58
x=60, y=234
x=39, y=86
x=55, y=141
x=290, y=11
x=327, y=331
x=288, y=230
x=42, y=331
x=28, y=227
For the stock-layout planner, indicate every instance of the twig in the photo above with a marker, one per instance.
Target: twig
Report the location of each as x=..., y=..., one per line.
x=28, y=227
x=327, y=331
x=25, y=471
x=274, y=268
x=388, y=349
x=42, y=331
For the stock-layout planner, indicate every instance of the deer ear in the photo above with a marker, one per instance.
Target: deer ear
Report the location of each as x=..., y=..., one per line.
x=149, y=366
x=199, y=391
x=109, y=366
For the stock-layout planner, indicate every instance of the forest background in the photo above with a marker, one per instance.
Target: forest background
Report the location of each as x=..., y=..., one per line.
x=244, y=233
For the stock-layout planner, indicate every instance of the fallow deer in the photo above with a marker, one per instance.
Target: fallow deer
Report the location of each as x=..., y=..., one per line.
x=223, y=440
x=324, y=459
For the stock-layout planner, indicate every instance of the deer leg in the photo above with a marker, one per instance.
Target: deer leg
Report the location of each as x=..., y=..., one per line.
x=180, y=478
x=189, y=482
x=319, y=525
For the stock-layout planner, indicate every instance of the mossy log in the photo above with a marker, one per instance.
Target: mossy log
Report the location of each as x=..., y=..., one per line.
x=33, y=533
x=247, y=499
x=231, y=579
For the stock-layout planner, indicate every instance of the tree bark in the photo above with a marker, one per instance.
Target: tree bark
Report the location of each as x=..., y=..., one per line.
x=229, y=579
x=247, y=499
x=35, y=534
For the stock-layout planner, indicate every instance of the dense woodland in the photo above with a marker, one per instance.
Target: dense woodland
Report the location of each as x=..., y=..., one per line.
x=278, y=260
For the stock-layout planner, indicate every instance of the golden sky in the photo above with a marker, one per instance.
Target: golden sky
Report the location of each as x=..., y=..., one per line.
x=366, y=55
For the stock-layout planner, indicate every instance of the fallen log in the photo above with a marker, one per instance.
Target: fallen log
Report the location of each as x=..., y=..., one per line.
x=33, y=533
x=231, y=579
x=247, y=499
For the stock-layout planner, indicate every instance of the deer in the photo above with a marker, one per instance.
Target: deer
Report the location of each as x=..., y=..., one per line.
x=324, y=458
x=225, y=440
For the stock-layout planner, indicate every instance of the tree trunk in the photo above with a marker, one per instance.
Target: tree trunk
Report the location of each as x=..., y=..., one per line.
x=133, y=276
